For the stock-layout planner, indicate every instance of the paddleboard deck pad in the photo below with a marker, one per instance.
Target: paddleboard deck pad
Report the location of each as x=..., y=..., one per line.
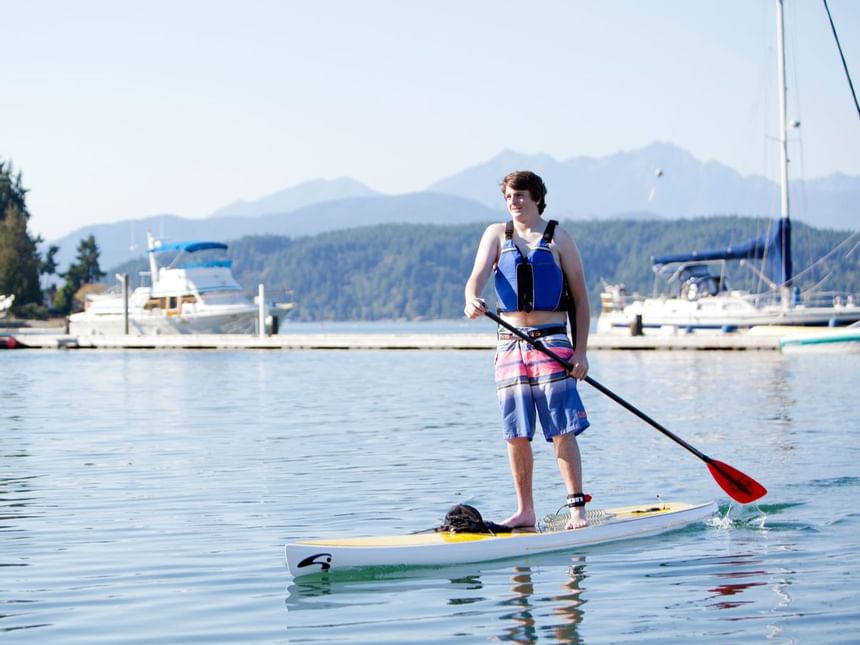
x=441, y=549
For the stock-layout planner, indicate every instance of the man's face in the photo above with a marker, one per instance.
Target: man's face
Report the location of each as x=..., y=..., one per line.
x=520, y=203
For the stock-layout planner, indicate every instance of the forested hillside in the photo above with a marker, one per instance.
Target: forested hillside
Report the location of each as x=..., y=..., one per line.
x=377, y=272
x=418, y=271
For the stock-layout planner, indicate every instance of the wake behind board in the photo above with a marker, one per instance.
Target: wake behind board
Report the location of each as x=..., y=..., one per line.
x=441, y=549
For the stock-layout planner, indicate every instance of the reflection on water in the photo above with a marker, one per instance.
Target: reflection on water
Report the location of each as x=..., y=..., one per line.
x=566, y=605
x=525, y=615
x=736, y=588
x=520, y=624
x=570, y=603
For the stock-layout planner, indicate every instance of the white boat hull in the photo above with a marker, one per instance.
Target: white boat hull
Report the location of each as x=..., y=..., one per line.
x=440, y=549
x=832, y=341
x=156, y=322
x=723, y=313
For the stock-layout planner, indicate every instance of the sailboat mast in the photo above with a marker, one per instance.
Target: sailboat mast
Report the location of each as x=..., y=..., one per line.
x=785, y=223
x=783, y=138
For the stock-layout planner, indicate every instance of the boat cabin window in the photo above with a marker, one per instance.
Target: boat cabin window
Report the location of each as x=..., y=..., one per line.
x=170, y=302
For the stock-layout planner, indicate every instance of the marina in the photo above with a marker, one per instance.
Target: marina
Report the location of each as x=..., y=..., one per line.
x=400, y=340
x=696, y=294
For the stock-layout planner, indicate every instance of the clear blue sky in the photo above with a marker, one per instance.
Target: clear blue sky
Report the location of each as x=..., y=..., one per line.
x=116, y=110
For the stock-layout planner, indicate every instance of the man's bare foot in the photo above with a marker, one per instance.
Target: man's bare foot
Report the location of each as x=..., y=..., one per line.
x=520, y=520
x=577, y=519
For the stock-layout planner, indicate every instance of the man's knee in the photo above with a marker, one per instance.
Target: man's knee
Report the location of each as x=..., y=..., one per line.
x=564, y=439
x=564, y=442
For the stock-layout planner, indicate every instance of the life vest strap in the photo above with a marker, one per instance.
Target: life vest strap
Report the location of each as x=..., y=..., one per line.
x=548, y=232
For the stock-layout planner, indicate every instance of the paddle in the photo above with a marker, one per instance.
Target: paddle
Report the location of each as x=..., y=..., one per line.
x=740, y=487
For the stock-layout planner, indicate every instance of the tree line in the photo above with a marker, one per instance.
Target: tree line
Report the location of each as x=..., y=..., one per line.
x=405, y=271
x=22, y=265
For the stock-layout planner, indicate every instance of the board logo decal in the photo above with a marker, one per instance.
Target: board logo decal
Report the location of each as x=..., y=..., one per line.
x=324, y=564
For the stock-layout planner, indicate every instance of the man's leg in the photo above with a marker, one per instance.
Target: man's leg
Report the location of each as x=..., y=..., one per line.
x=522, y=464
x=570, y=465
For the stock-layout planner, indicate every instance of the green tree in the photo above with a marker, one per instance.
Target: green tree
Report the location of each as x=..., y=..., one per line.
x=19, y=257
x=84, y=270
x=48, y=265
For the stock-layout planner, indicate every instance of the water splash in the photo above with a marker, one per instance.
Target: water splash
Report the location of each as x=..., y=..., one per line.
x=753, y=516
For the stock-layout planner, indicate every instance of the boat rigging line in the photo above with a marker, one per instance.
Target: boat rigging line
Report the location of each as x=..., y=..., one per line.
x=842, y=56
x=831, y=253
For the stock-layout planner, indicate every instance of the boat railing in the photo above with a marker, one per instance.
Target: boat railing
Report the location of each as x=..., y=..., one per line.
x=614, y=297
x=205, y=264
x=828, y=299
x=204, y=254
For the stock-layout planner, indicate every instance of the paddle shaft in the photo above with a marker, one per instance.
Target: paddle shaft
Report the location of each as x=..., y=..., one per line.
x=601, y=388
x=738, y=485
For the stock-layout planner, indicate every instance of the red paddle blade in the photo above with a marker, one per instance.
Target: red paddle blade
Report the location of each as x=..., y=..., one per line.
x=740, y=487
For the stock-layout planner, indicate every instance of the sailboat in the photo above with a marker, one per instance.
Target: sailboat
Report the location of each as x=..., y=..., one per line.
x=698, y=296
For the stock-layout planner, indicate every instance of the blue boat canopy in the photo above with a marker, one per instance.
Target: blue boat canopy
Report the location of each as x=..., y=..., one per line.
x=774, y=248
x=189, y=247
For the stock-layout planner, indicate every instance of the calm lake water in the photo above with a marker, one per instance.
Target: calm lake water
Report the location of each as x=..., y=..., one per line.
x=146, y=496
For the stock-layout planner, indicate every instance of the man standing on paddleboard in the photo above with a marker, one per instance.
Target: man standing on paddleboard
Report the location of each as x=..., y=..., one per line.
x=538, y=278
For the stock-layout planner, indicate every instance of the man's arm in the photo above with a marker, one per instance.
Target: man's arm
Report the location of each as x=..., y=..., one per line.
x=485, y=260
x=571, y=264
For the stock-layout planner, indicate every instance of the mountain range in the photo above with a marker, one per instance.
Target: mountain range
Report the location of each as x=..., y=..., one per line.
x=654, y=182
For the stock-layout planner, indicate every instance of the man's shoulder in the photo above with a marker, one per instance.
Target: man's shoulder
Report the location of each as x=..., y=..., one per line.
x=561, y=236
x=497, y=228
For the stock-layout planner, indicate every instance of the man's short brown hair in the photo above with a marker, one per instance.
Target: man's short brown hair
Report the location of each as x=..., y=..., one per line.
x=527, y=180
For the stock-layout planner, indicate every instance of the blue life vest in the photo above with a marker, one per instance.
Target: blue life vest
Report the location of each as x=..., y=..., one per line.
x=533, y=283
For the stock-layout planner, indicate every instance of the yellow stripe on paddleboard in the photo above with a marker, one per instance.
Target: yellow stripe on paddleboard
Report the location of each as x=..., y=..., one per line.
x=427, y=539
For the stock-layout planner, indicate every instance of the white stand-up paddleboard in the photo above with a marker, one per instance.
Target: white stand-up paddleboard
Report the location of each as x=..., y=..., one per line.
x=444, y=548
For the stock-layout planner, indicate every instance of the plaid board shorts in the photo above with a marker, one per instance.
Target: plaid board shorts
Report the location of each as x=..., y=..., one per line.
x=530, y=385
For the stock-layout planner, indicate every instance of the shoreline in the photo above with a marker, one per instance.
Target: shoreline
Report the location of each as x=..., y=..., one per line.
x=49, y=338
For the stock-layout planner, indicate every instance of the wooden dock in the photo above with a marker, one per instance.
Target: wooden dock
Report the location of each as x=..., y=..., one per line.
x=386, y=341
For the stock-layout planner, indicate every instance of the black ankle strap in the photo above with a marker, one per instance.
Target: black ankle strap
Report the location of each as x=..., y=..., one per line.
x=577, y=500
